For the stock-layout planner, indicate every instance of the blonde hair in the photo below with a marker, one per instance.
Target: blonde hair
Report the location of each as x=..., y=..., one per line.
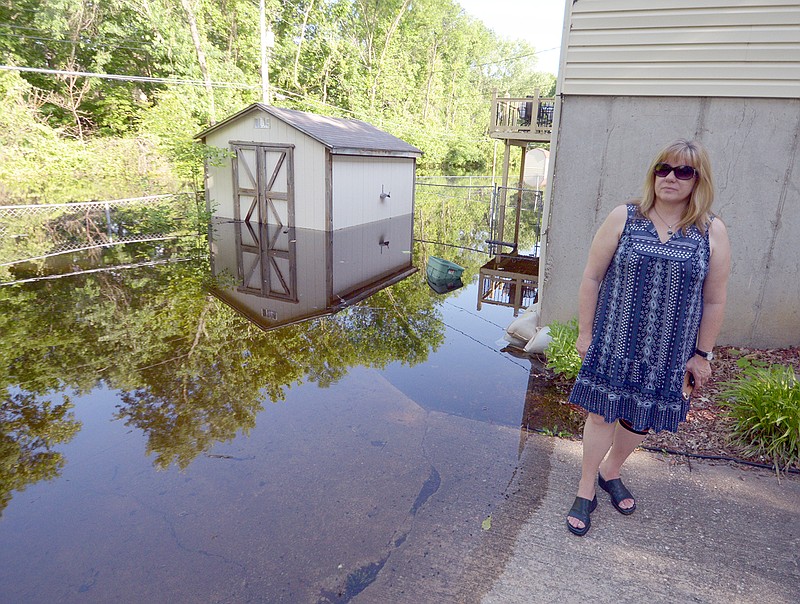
x=690, y=153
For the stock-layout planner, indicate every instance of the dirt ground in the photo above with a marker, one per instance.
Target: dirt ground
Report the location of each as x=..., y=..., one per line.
x=708, y=430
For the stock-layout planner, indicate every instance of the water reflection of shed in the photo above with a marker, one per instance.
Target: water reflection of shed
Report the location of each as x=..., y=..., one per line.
x=276, y=275
x=309, y=171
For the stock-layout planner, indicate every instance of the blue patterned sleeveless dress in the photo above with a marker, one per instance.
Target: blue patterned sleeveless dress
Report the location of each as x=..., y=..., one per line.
x=645, y=327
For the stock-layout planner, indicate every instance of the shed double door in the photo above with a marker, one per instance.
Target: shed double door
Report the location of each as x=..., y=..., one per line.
x=263, y=182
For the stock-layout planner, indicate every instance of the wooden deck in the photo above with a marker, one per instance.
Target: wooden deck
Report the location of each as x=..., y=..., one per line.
x=522, y=119
x=511, y=279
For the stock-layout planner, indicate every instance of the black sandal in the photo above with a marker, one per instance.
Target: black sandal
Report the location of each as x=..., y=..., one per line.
x=580, y=510
x=618, y=493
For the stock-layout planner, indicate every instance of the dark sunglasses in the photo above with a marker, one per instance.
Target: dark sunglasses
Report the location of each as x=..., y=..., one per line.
x=681, y=172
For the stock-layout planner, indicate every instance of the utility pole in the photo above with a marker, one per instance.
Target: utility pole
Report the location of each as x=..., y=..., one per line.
x=267, y=42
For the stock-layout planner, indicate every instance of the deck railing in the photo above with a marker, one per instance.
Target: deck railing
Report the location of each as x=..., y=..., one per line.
x=524, y=118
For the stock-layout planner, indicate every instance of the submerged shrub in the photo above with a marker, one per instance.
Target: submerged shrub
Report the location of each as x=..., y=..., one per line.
x=764, y=403
x=562, y=356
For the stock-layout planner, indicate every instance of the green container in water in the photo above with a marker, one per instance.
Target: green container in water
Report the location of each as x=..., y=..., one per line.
x=443, y=272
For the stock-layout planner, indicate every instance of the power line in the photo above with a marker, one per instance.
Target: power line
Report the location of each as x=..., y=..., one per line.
x=516, y=57
x=313, y=100
x=200, y=83
x=12, y=26
x=126, y=78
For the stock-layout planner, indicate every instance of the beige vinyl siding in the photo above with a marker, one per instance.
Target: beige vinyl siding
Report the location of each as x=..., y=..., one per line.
x=683, y=47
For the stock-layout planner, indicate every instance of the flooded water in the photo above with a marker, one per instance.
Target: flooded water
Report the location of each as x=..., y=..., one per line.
x=293, y=417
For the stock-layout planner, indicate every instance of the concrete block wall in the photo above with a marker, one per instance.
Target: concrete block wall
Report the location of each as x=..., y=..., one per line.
x=603, y=148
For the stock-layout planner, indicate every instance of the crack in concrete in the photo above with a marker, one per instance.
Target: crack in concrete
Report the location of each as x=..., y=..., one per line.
x=429, y=487
x=776, y=224
x=603, y=157
x=362, y=577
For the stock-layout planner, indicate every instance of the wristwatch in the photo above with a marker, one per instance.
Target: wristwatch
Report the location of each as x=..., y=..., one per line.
x=708, y=356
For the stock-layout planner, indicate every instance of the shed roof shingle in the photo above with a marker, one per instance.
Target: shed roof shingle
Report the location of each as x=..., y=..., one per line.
x=337, y=134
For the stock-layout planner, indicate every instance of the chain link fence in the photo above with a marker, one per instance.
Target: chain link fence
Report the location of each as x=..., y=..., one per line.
x=471, y=211
x=32, y=232
x=513, y=215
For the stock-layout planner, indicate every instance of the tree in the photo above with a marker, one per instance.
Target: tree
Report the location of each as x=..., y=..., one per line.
x=423, y=70
x=201, y=57
x=190, y=372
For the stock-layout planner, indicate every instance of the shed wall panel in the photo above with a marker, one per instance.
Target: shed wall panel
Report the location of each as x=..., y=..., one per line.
x=633, y=47
x=357, y=183
x=360, y=258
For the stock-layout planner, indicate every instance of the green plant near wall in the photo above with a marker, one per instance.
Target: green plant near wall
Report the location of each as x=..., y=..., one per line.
x=562, y=356
x=764, y=403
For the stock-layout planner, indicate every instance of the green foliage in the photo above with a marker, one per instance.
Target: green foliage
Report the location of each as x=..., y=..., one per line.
x=422, y=70
x=764, y=403
x=555, y=431
x=190, y=371
x=562, y=356
x=172, y=122
x=464, y=158
x=460, y=220
x=29, y=430
x=42, y=168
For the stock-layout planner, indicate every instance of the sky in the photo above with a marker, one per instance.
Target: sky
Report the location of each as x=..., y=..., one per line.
x=539, y=22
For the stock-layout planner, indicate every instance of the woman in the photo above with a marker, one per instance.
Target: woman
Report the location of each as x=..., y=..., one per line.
x=651, y=303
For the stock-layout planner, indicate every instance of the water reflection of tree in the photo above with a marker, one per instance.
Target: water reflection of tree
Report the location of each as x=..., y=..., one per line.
x=209, y=388
x=29, y=429
x=191, y=372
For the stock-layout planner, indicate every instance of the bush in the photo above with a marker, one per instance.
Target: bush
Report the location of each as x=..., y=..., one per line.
x=764, y=403
x=562, y=356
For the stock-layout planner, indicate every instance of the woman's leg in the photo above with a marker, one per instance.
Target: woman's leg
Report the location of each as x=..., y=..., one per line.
x=624, y=443
x=597, y=439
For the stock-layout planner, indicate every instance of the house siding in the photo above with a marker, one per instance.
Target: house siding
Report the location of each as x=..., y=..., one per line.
x=683, y=48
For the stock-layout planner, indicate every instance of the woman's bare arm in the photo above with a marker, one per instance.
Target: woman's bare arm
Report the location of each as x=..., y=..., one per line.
x=715, y=293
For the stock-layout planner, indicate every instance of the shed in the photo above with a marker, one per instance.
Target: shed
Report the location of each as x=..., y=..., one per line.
x=306, y=170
